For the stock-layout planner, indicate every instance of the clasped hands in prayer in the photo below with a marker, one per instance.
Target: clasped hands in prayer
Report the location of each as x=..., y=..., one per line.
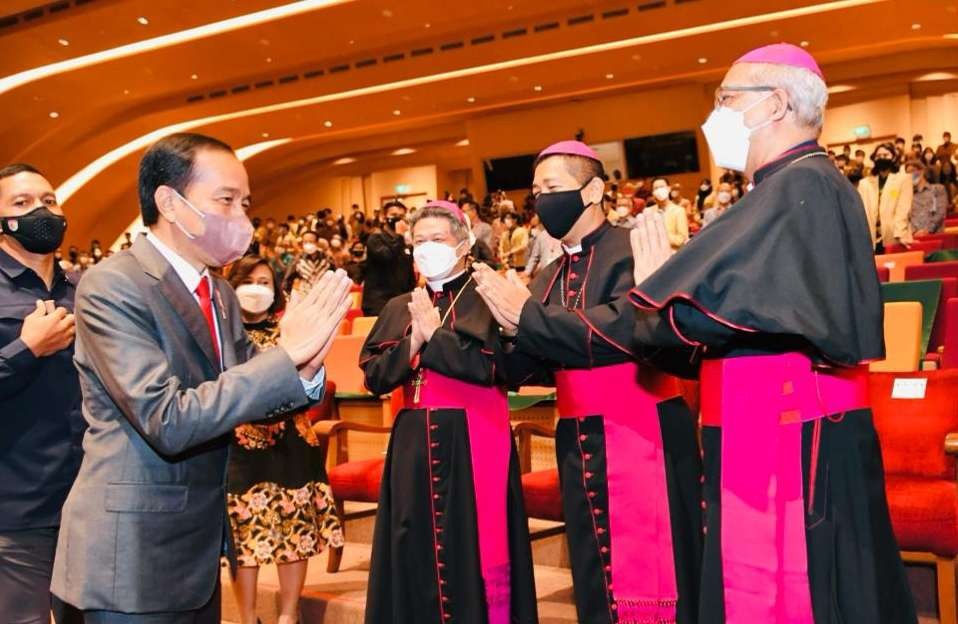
x=507, y=294
x=425, y=320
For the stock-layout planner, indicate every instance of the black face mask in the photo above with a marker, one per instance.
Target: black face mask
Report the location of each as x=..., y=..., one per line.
x=392, y=221
x=358, y=253
x=884, y=165
x=39, y=231
x=559, y=211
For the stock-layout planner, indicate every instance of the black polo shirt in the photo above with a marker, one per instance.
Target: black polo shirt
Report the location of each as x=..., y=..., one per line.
x=41, y=426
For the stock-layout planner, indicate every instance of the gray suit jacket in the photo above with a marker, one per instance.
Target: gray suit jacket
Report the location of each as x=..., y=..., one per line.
x=143, y=527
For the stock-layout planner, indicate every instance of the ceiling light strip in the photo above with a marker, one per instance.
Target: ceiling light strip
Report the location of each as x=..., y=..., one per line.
x=84, y=175
x=207, y=30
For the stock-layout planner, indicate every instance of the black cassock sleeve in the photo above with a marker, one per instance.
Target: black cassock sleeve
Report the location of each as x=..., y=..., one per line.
x=385, y=354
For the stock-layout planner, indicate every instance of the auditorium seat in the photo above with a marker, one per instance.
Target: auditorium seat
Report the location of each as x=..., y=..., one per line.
x=884, y=274
x=932, y=270
x=919, y=441
x=949, y=356
x=927, y=246
x=363, y=325
x=949, y=290
x=902, y=338
x=540, y=488
x=896, y=263
x=949, y=240
x=350, y=480
x=342, y=364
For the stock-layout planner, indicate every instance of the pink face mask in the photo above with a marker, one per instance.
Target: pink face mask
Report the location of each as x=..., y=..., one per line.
x=224, y=239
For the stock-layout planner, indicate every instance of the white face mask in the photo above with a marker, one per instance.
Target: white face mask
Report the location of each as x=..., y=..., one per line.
x=435, y=261
x=728, y=136
x=309, y=248
x=254, y=298
x=662, y=193
x=724, y=197
x=623, y=211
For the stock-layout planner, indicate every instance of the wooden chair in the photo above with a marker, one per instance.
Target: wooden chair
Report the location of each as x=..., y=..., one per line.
x=540, y=488
x=350, y=480
x=919, y=443
x=902, y=338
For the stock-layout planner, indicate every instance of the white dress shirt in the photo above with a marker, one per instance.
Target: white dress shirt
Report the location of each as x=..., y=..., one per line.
x=191, y=279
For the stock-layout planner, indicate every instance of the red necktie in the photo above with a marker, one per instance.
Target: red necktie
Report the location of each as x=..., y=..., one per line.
x=206, y=305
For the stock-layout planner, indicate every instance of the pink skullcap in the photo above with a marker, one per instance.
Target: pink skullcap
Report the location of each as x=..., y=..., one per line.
x=447, y=205
x=569, y=148
x=782, y=54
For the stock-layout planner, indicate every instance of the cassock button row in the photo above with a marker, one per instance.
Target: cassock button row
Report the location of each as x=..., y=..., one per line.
x=592, y=494
x=597, y=512
x=573, y=276
x=604, y=550
x=575, y=258
x=587, y=456
x=589, y=475
x=582, y=437
x=571, y=293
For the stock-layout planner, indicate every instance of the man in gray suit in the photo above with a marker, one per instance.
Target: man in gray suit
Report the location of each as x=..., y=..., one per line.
x=166, y=373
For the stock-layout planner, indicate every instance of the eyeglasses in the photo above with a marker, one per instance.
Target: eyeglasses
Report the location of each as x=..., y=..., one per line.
x=725, y=93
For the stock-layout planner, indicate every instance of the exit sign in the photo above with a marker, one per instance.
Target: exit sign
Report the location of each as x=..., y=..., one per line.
x=863, y=132
x=402, y=189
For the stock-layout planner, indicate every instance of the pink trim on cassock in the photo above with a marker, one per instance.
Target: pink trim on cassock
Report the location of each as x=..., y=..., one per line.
x=761, y=403
x=656, y=305
x=490, y=446
x=640, y=531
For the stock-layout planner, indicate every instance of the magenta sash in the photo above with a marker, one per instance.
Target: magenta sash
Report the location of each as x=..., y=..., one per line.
x=490, y=445
x=626, y=396
x=761, y=403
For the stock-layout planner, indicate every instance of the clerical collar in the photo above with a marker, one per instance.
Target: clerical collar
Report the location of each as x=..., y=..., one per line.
x=800, y=150
x=439, y=285
x=589, y=240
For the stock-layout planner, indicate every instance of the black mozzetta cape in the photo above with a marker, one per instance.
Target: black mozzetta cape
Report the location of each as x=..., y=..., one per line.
x=789, y=267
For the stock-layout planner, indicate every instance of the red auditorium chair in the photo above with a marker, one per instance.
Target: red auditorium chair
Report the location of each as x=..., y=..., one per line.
x=931, y=270
x=350, y=480
x=949, y=357
x=884, y=275
x=948, y=241
x=926, y=246
x=919, y=442
x=949, y=290
x=540, y=488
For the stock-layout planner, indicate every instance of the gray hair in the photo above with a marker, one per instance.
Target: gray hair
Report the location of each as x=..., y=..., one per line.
x=807, y=93
x=457, y=227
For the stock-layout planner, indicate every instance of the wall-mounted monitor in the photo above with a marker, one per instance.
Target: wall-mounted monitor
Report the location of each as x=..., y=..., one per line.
x=662, y=154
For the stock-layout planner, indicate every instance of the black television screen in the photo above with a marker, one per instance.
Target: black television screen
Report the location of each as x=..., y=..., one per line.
x=509, y=174
x=662, y=154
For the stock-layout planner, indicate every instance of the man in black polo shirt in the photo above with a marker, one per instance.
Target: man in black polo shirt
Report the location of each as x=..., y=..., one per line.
x=41, y=427
x=389, y=269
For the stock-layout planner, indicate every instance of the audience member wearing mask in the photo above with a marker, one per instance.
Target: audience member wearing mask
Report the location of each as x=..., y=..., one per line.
x=309, y=266
x=337, y=253
x=280, y=505
x=946, y=150
x=451, y=480
x=544, y=249
x=481, y=229
x=42, y=427
x=704, y=192
x=168, y=373
x=355, y=267
x=887, y=195
x=929, y=202
x=621, y=215
x=389, y=271
x=676, y=221
x=514, y=242
x=947, y=178
x=358, y=226
x=723, y=201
